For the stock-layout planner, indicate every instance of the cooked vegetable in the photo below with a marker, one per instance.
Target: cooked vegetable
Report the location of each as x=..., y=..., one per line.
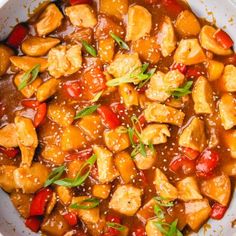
x=119, y=41
x=89, y=49
x=17, y=35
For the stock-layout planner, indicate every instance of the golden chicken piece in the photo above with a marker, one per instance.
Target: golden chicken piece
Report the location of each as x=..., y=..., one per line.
x=5, y=54
x=53, y=154
x=166, y=37
x=193, y=136
x=7, y=182
x=81, y=15
x=8, y=136
x=129, y=95
x=64, y=60
x=145, y=162
x=36, y=46
x=27, y=139
x=189, y=52
x=156, y=112
x=49, y=20
x=203, y=96
x=126, y=200
x=151, y=229
x=209, y=42
x=138, y=16
x=64, y=194
x=228, y=79
x=147, y=210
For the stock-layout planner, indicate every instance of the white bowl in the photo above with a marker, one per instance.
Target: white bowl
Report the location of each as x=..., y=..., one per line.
x=223, y=13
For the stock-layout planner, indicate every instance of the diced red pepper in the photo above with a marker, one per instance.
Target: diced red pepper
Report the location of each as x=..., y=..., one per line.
x=204, y=175
x=109, y=117
x=193, y=73
x=223, y=39
x=71, y=218
x=17, y=35
x=182, y=163
x=73, y=89
x=30, y=103
x=207, y=161
x=95, y=80
x=40, y=114
x=114, y=219
x=140, y=231
x=9, y=152
x=33, y=223
x=190, y=153
x=142, y=120
x=180, y=67
x=74, y=2
x=172, y=7
x=39, y=202
x=81, y=155
x=118, y=108
x=218, y=211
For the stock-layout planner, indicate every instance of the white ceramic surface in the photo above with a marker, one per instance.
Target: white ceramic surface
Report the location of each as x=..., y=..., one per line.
x=223, y=12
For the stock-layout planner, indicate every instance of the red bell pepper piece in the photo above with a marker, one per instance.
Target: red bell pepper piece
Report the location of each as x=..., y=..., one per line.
x=207, y=161
x=9, y=152
x=71, y=218
x=218, y=211
x=183, y=163
x=118, y=108
x=40, y=114
x=81, y=155
x=223, y=39
x=39, y=202
x=172, y=6
x=140, y=231
x=109, y=117
x=113, y=219
x=73, y=89
x=74, y=2
x=30, y=103
x=33, y=223
x=179, y=66
x=194, y=72
x=17, y=35
x=190, y=153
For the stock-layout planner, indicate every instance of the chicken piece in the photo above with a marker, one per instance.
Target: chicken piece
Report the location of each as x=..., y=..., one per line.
x=72, y=138
x=151, y=229
x=88, y=215
x=26, y=63
x=64, y=60
x=214, y=70
x=217, y=188
x=106, y=49
x=8, y=136
x=47, y=89
x=129, y=95
x=101, y=190
x=156, y=112
x=163, y=187
x=161, y=85
x=188, y=189
x=49, y=20
x=227, y=109
x=91, y=126
x=189, y=52
x=36, y=46
x=229, y=168
x=7, y=182
x=85, y=34
x=143, y=101
x=62, y=114
x=147, y=48
x=106, y=169
x=117, y=8
x=229, y=138
x=30, y=89
x=147, y=211
x=30, y=179
x=138, y=16
x=53, y=154
x=81, y=15
x=197, y=212
x=5, y=54
x=115, y=140
x=208, y=41
x=228, y=79
x=64, y=194
x=145, y=162
x=22, y=203
x=125, y=166
x=203, y=96
x=155, y=134
x=124, y=64
x=126, y=200
x=27, y=139
x=166, y=37
x=187, y=24
x=74, y=167
x=193, y=136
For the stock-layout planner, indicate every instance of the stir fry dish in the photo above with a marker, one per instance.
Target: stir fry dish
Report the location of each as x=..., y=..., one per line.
x=117, y=118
